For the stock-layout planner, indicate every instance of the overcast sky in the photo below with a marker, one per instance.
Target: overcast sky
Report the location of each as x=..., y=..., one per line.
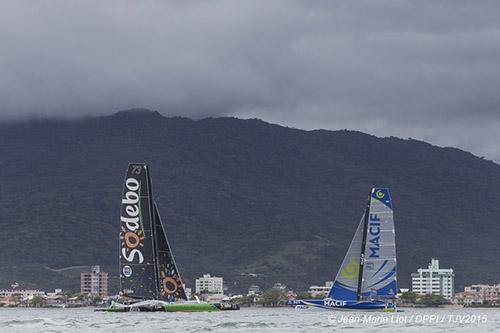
x=423, y=69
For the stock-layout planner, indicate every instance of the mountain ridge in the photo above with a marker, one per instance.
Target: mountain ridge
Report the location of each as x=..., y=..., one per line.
x=240, y=196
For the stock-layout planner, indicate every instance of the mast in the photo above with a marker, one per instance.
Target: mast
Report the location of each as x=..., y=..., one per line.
x=363, y=248
x=153, y=231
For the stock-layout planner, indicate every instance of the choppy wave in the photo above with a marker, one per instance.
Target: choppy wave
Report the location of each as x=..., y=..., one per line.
x=247, y=320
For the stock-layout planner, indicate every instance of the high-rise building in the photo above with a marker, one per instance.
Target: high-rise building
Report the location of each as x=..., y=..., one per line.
x=94, y=282
x=209, y=284
x=433, y=280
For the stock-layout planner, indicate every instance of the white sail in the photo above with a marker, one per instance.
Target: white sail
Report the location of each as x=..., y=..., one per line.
x=379, y=267
x=371, y=256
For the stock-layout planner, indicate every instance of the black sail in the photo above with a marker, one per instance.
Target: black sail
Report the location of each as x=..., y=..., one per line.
x=170, y=286
x=138, y=273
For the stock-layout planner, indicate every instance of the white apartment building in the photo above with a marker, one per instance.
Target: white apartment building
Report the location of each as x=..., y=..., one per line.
x=22, y=293
x=323, y=291
x=209, y=284
x=433, y=280
x=254, y=290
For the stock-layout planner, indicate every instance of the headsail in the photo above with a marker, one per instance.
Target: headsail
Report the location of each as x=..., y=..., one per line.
x=169, y=280
x=369, y=267
x=379, y=268
x=345, y=286
x=137, y=265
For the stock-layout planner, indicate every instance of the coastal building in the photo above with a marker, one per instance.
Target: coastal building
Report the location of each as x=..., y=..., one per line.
x=279, y=285
x=467, y=298
x=14, y=297
x=320, y=291
x=488, y=293
x=94, y=283
x=209, y=285
x=433, y=280
x=188, y=292
x=22, y=293
x=55, y=293
x=213, y=297
x=479, y=294
x=254, y=290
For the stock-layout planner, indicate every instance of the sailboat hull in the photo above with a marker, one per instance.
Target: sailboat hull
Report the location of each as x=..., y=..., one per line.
x=197, y=307
x=331, y=304
x=160, y=306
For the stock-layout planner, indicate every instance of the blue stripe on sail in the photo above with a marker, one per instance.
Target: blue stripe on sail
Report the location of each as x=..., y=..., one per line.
x=340, y=292
x=388, y=275
x=383, y=265
x=388, y=290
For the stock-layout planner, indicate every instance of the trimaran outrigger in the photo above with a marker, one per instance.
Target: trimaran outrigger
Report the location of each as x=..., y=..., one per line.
x=366, y=279
x=149, y=277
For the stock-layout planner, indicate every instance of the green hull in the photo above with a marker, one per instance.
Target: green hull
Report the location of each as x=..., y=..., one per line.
x=189, y=307
x=171, y=307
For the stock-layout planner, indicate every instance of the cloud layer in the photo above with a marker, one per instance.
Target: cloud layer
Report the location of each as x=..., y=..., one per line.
x=423, y=69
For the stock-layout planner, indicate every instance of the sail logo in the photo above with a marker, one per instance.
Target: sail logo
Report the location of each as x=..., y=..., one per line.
x=351, y=270
x=127, y=271
x=131, y=234
x=334, y=303
x=374, y=236
x=169, y=286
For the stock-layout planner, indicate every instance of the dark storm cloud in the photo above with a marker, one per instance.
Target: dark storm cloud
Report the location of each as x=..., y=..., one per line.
x=422, y=69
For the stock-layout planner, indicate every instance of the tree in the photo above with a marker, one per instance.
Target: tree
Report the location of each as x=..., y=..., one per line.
x=409, y=297
x=247, y=300
x=16, y=299
x=304, y=295
x=433, y=300
x=96, y=300
x=38, y=301
x=273, y=297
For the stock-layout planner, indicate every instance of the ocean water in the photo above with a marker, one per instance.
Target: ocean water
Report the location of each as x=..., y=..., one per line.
x=250, y=320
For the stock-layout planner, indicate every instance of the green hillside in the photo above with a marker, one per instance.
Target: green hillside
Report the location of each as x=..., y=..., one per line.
x=238, y=197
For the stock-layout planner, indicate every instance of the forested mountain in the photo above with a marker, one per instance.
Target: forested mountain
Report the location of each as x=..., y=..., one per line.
x=254, y=202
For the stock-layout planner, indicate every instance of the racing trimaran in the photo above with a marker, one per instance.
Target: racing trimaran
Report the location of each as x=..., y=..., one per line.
x=366, y=279
x=149, y=277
